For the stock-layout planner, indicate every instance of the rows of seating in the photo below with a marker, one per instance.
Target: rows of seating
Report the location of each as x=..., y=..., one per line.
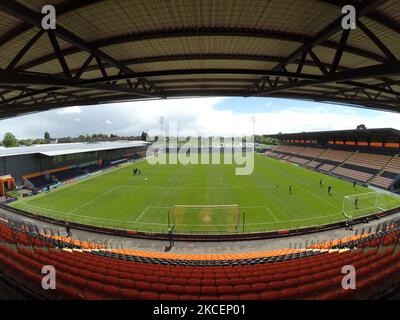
x=312, y=152
x=353, y=174
x=390, y=172
x=69, y=174
x=336, y=155
x=40, y=181
x=295, y=150
x=376, y=169
x=89, y=276
x=394, y=165
x=101, y=274
x=313, y=164
x=381, y=181
x=327, y=167
x=281, y=148
x=298, y=160
x=369, y=160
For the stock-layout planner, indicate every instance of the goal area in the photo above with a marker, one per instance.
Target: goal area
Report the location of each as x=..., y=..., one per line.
x=206, y=218
x=363, y=204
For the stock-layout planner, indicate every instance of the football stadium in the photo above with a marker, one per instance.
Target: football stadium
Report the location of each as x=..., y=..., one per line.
x=311, y=215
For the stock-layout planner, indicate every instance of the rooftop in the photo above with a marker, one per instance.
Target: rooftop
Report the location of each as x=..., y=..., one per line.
x=379, y=134
x=68, y=148
x=109, y=51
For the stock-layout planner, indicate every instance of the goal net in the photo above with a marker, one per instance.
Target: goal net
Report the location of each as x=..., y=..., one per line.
x=206, y=218
x=368, y=203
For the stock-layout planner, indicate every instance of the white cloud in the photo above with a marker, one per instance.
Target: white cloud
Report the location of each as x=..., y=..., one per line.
x=70, y=110
x=194, y=116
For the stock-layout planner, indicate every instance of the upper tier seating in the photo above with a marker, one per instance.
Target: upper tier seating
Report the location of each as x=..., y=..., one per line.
x=381, y=182
x=335, y=155
x=393, y=165
x=281, y=148
x=353, y=174
x=379, y=170
x=368, y=160
x=294, y=150
x=312, y=152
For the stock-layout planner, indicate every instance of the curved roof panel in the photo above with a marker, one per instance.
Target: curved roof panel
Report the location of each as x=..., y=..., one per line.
x=122, y=50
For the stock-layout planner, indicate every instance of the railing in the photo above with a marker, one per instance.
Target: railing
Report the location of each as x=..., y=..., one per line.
x=160, y=231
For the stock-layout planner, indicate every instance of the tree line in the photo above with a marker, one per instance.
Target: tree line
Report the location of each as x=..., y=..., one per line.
x=10, y=140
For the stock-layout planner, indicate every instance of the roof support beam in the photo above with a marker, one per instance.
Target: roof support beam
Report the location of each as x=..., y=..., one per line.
x=339, y=51
x=362, y=9
x=389, y=55
x=215, y=32
x=318, y=62
x=29, y=16
x=57, y=51
x=82, y=69
x=29, y=79
x=390, y=69
x=24, y=50
x=199, y=71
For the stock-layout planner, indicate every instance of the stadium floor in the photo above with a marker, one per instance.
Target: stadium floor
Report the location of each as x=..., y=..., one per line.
x=147, y=202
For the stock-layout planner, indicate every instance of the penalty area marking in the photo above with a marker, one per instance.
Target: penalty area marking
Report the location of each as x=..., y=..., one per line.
x=94, y=199
x=270, y=212
x=164, y=224
x=141, y=214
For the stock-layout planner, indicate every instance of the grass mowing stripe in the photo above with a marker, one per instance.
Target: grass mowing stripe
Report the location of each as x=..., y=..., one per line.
x=142, y=202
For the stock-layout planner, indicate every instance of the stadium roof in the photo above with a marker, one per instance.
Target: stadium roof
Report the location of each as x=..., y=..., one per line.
x=384, y=134
x=68, y=148
x=109, y=51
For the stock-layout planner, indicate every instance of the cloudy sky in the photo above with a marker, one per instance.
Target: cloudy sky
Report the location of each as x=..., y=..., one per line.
x=204, y=116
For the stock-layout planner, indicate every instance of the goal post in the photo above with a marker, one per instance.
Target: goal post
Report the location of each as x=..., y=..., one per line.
x=362, y=204
x=207, y=218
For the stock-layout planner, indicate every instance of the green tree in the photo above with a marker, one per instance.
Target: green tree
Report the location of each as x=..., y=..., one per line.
x=38, y=141
x=26, y=142
x=143, y=136
x=10, y=140
x=361, y=127
x=47, y=138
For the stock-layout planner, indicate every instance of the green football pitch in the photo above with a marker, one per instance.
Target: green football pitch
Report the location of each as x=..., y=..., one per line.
x=205, y=198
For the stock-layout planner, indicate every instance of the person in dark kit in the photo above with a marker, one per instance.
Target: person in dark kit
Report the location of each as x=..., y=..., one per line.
x=356, y=202
x=68, y=228
x=321, y=183
x=290, y=189
x=330, y=190
x=170, y=238
x=354, y=185
x=48, y=188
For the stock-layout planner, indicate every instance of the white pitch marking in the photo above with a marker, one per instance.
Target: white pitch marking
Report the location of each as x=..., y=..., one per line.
x=94, y=199
x=141, y=214
x=270, y=211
